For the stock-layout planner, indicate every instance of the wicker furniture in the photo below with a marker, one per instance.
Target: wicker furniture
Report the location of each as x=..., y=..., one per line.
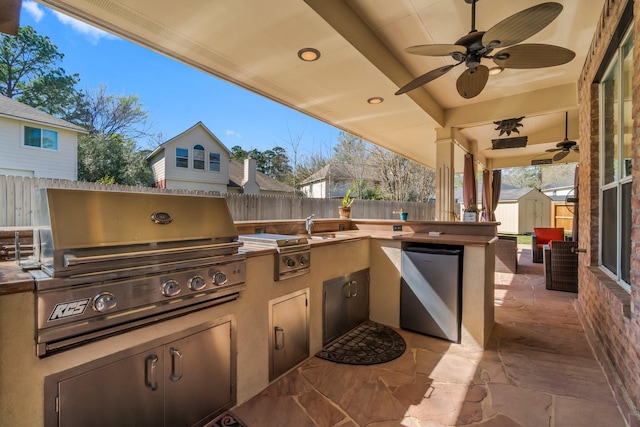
x=561, y=266
x=542, y=236
x=507, y=254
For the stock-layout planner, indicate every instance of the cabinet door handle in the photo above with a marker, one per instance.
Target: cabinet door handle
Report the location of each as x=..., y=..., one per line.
x=150, y=372
x=346, y=290
x=176, y=364
x=279, y=345
x=353, y=284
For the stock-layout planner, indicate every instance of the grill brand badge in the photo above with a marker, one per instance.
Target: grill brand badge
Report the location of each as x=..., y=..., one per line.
x=67, y=309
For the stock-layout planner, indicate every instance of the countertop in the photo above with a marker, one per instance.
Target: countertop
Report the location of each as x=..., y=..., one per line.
x=14, y=280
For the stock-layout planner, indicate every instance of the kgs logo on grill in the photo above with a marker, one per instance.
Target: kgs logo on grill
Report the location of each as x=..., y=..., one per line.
x=69, y=309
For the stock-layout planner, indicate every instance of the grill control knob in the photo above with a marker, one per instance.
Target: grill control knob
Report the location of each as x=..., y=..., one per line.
x=289, y=262
x=104, y=301
x=219, y=278
x=197, y=283
x=170, y=288
x=303, y=260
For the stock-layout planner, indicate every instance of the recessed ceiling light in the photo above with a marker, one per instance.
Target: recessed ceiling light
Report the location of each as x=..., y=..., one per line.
x=375, y=100
x=495, y=70
x=309, y=54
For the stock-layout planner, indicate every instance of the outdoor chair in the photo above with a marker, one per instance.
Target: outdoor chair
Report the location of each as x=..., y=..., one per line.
x=542, y=236
x=561, y=266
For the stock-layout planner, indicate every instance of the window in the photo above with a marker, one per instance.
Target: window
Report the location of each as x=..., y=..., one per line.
x=616, y=128
x=214, y=162
x=41, y=138
x=182, y=158
x=198, y=157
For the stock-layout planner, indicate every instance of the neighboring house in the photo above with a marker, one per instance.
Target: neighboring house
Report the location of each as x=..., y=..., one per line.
x=37, y=144
x=197, y=160
x=334, y=179
x=521, y=209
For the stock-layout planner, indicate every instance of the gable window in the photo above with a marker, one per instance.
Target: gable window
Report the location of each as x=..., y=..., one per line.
x=41, y=138
x=182, y=158
x=214, y=162
x=198, y=157
x=616, y=128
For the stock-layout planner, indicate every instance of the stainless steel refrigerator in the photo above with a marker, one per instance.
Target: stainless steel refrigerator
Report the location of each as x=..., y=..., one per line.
x=431, y=291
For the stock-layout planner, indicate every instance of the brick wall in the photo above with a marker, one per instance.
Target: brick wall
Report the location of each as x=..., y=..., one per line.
x=613, y=314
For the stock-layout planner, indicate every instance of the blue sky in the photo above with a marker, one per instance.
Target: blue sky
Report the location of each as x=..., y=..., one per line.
x=175, y=95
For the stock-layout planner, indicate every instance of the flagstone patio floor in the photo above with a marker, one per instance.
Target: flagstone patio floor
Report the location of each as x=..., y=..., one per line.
x=538, y=370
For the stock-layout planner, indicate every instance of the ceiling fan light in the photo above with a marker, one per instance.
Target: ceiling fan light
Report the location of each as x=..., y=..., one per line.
x=495, y=70
x=309, y=54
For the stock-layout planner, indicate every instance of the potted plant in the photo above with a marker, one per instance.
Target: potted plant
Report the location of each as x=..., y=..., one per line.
x=403, y=214
x=347, y=201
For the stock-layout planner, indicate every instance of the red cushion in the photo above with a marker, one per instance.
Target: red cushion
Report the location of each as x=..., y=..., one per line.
x=545, y=235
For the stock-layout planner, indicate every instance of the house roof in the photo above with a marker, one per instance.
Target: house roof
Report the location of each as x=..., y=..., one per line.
x=265, y=182
x=13, y=109
x=342, y=172
x=162, y=146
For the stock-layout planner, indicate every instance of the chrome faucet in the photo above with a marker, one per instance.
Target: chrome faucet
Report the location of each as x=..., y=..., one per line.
x=309, y=223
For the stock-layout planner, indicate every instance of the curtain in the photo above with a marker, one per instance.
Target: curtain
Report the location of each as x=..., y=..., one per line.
x=574, y=226
x=496, y=184
x=486, y=197
x=469, y=196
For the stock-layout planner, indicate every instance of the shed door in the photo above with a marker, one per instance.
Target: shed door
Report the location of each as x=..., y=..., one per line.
x=533, y=215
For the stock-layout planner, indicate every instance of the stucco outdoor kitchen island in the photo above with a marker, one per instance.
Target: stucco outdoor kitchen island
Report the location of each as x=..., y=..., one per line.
x=349, y=246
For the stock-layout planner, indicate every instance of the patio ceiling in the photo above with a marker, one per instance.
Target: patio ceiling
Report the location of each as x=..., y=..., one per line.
x=254, y=44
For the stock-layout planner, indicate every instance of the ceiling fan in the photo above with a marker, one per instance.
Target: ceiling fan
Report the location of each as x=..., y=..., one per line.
x=565, y=146
x=10, y=16
x=478, y=45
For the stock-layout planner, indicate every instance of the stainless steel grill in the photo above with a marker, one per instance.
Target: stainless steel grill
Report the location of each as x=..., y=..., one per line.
x=111, y=261
x=293, y=254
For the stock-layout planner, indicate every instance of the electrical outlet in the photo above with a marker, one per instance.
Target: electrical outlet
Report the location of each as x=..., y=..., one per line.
x=397, y=228
x=340, y=227
x=260, y=230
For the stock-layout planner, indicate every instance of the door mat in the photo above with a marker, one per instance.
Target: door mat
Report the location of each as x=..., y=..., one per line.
x=227, y=420
x=368, y=344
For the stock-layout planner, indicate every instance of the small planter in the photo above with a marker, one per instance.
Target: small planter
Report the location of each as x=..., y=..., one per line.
x=404, y=215
x=344, y=212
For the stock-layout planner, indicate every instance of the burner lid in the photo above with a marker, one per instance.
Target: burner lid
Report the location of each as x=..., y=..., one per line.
x=273, y=240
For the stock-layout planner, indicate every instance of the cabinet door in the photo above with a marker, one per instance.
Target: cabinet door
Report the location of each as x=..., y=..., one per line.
x=126, y=393
x=289, y=333
x=336, y=309
x=358, y=298
x=198, y=375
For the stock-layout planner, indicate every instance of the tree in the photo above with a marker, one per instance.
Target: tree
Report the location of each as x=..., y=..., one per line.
x=273, y=162
x=30, y=73
x=107, y=114
x=108, y=153
x=112, y=159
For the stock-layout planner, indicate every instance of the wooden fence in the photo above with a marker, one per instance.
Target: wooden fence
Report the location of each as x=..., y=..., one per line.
x=17, y=198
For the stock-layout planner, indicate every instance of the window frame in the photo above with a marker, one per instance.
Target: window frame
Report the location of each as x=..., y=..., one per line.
x=43, y=132
x=184, y=159
x=198, y=157
x=621, y=179
x=218, y=162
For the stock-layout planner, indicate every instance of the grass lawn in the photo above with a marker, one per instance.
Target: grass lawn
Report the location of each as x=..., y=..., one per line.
x=524, y=239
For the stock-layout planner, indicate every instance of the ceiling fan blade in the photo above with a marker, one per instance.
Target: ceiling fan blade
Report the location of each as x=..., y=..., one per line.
x=533, y=55
x=10, y=16
x=522, y=25
x=424, y=79
x=553, y=150
x=436, y=49
x=472, y=81
x=561, y=155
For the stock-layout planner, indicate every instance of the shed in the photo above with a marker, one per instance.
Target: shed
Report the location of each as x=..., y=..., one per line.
x=521, y=209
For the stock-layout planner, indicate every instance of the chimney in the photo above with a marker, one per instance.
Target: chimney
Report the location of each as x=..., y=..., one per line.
x=249, y=184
